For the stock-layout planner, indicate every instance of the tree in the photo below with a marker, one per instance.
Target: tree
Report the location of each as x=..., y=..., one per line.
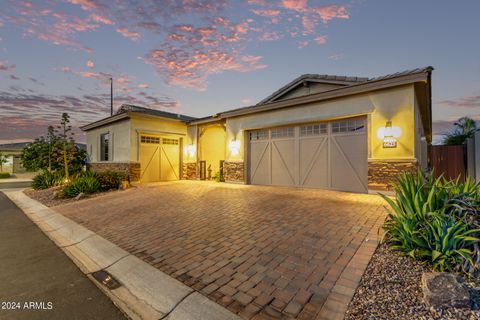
x=55, y=152
x=66, y=139
x=463, y=129
x=3, y=160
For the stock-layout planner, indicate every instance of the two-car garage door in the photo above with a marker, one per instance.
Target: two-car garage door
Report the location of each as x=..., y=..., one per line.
x=330, y=155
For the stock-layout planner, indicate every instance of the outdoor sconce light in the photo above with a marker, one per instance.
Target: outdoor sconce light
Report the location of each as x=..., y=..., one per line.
x=389, y=134
x=191, y=150
x=234, y=147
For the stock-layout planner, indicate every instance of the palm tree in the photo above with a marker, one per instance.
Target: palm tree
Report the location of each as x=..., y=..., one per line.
x=463, y=129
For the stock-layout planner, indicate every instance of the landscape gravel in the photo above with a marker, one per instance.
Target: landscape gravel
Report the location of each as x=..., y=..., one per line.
x=391, y=289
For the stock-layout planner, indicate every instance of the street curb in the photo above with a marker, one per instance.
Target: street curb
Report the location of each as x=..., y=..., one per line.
x=145, y=292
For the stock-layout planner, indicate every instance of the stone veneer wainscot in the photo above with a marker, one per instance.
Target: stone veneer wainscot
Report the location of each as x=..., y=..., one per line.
x=234, y=171
x=189, y=171
x=381, y=173
x=132, y=169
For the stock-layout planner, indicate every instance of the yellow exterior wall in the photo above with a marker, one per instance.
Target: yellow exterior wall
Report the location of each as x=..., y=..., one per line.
x=212, y=145
x=154, y=126
x=396, y=105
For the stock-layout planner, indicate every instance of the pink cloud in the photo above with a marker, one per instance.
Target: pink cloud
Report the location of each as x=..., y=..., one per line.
x=143, y=86
x=132, y=35
x=330, y=12
x=5, y=66
x=266, y=12
x=321, y=39
x=66, y=69
x=100, y=19
x=90, y=64
x=465, y=102
x=297, y=5
x=191, y=68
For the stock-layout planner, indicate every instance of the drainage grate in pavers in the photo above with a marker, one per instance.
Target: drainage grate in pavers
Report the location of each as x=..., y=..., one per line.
x=106, y=279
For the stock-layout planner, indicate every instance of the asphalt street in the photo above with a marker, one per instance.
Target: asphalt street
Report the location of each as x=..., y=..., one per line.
x=37, y=280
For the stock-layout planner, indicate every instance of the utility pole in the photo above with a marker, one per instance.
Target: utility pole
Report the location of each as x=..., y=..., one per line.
x=111, y=96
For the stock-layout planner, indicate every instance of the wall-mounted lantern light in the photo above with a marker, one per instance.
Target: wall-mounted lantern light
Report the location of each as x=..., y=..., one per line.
x=190, y=150
x=389, y=134
x=234, y=147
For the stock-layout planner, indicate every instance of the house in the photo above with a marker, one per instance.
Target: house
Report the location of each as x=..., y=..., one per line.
x=318, y=131
x=13, y=151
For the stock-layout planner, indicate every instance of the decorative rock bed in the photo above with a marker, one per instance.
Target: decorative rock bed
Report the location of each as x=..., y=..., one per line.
x=391, y=288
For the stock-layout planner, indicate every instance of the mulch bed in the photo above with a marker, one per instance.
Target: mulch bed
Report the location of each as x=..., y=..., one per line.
x=47, y=196
x=390, y=289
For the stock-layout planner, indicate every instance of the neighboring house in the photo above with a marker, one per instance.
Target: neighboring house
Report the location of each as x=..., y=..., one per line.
x=13, y=151
x=318, y=131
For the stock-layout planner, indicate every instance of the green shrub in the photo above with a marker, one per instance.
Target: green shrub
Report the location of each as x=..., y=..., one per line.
x=46, y=179
x=86, y=185
x=435, y=220
x=219, y=176
x=111, y=179
x=4, y=175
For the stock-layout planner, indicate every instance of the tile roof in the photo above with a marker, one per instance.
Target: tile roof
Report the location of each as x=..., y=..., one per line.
x=133, y=108
x=341, y=80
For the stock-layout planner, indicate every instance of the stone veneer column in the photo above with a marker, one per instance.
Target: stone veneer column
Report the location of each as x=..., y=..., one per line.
x=381, y=173
x=234, y=171
x=132, y=169
x=189, y=171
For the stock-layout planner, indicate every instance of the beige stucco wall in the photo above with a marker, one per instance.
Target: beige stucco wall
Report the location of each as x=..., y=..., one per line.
x=396, y=104
x=154, y=126
x=120, y=142
x=212, y=145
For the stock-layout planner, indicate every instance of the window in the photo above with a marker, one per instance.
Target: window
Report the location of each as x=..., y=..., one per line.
x=259, y=135
x=313, y=129
x=283, y=132
x=104, y=139
x=149, y=139
x=169, y=141
x=349, y=125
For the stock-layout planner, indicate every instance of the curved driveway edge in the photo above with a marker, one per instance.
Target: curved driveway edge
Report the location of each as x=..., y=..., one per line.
x=145, y=292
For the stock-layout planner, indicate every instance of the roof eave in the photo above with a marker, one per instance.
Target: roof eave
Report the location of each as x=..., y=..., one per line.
x=105, y=121
x=331, y=94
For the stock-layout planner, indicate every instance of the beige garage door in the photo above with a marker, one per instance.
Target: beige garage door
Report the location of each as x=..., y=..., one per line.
x=159, y=158
x=330, y=155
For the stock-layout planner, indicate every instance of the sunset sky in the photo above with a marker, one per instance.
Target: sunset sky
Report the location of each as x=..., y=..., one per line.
x=199, y=57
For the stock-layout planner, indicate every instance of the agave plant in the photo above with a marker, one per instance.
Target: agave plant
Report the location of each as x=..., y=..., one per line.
x=435, y=220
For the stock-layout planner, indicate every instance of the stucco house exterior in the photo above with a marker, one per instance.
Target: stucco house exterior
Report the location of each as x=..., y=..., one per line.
x=318, y=131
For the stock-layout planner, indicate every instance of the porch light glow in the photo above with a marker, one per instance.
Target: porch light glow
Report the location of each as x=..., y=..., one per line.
x=190, y=149
x=389, y=131
x=389, y=135
x=234, y=147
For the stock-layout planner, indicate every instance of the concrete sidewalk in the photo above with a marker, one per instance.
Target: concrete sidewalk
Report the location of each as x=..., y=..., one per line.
x=34, y=270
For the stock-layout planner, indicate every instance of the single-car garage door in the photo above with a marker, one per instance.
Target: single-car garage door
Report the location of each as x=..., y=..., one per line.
x=159, y=158
x=330, y=155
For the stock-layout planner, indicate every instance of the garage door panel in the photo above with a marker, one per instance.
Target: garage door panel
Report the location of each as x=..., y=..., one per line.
x=314, y=163
x=150, y=163
x=169, y=163
x=347, y=163
x=283, y=162
x=159, y=158
x=319, y=155
x=260, y=163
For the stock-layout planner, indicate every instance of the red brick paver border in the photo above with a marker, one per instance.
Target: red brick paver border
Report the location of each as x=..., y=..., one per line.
x=262, y=252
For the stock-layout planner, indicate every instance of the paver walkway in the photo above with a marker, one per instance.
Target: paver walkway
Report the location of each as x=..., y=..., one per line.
x=263, y=252
x=37, y=280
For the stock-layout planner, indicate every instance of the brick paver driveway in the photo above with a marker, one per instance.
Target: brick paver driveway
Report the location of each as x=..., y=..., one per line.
x=263, y=252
